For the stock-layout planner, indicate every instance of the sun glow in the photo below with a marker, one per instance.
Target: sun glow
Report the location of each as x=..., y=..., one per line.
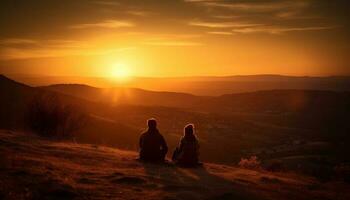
x=120, y=71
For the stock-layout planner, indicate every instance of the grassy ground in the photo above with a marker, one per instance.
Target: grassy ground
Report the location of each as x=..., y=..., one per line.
x=36, y=168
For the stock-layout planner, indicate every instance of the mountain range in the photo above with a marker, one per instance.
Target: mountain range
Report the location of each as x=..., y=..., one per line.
x=200, y=85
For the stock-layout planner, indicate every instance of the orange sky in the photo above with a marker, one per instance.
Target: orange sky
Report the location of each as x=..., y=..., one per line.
x=174, y=38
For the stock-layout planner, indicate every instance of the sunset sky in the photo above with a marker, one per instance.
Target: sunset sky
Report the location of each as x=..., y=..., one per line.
x=174, y=37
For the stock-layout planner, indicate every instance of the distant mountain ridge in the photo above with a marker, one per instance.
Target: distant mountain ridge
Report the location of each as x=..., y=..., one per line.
x=274, y=100
x=259, y=101
x=132, y=96
x=203, y=85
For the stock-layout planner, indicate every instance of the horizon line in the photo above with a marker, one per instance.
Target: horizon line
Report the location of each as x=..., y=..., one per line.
x=176, y=77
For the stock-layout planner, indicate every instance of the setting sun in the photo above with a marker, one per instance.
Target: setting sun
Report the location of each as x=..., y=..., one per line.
x=120, y=71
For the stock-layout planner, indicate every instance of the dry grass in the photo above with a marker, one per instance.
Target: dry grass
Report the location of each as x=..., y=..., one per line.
x=35, y=168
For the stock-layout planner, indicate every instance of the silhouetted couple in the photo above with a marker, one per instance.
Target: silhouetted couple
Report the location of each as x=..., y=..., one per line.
x=153, y=147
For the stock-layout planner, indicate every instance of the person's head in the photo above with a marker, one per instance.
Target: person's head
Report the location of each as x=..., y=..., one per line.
x=152, y=124
x=189, y=130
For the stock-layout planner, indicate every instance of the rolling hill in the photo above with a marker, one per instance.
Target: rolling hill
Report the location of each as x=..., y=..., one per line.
x=131, y=96
x=45, y=169
x=306, y=109
x=17, y=98
x=302, y=129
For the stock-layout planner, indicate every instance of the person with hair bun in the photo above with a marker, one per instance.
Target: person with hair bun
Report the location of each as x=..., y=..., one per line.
x=187, y=153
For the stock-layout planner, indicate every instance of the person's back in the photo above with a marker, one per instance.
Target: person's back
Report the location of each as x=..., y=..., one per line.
x=153, y=147
x=188, y=151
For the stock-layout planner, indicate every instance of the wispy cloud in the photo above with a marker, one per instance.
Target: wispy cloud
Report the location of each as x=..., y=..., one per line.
x=176, y=36
x=295, y=14
x=17, y=41
x=279, y=30
x=31, y=43
x=199, y=0
x=263, y=16
x=22, y=48
x=226, y=16
x=106, y=2
x=220, y=33
x=222, y=24
x=18, y=54
x=11, y=53
x=170, y=40
x=262, y=6
x=105, y=24
x=138, y=13
x=283, y=9
x=172, y=43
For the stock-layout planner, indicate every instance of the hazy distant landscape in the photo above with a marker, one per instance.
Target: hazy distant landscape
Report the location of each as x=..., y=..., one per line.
x=203, y=86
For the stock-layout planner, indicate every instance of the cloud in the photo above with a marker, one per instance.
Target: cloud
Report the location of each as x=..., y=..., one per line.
x=105, y=24
x=10, y=53
x=106, y=3
x=167, y=36
x=295, y=15
x=256, y=6
x=17, y=41
x=22, y=48
x=279, y=30
x=259, y=16
x=199, y=0
x=220, y=33
x=138, y=13
x=222, y=24
x=283, y=9
x=226, y=16
x=34, y=43
x=170, y=41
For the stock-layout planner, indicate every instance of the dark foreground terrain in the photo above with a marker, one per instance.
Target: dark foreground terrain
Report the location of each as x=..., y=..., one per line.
x=34, y=168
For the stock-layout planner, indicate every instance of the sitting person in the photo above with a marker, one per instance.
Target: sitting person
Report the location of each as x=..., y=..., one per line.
x=188, y=151
x=153, y=147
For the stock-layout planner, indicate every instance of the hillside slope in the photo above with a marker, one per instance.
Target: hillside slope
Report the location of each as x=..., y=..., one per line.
x=34, y=168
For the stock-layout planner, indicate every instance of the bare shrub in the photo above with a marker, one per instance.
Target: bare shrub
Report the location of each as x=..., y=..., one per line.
x=49, y=117
x=250, y=163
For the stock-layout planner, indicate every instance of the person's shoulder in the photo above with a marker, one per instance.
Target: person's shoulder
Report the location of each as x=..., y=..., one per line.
x=160, y=135
x=196, y=138
x=189, y=140
x=197, y=141
x=143, y=133
x=182, y=139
